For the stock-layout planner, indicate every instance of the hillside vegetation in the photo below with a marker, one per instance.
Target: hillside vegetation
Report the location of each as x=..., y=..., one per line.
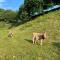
x=20, y=47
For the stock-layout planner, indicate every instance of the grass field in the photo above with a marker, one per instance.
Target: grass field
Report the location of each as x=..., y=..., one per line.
x=20, y=47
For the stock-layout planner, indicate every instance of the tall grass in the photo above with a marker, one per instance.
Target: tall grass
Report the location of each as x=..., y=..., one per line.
x=20, y=47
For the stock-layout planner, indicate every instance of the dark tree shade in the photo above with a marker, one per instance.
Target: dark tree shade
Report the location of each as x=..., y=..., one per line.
x=33, y=6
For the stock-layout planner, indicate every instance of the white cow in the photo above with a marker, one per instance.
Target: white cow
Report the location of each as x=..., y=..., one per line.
x=10, y=34
x=39, y=36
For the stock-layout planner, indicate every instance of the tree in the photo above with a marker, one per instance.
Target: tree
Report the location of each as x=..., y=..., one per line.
x=7, y=15
x=1, y=14
x=23, y=14
x=56, y=1
x=47, y=3
x=10, y=15
x=33, y=6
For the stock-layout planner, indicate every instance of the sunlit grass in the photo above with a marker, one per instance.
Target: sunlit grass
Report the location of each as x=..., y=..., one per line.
x=20, y=47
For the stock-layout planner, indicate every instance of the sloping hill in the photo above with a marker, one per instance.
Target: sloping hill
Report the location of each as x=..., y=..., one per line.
x=20, y=47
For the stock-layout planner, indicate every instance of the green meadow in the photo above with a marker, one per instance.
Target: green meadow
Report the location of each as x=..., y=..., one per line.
x=20, y=46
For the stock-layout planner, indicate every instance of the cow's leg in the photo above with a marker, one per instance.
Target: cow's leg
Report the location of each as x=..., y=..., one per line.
x=41, y=42
x=36, y=38
x=33, y=39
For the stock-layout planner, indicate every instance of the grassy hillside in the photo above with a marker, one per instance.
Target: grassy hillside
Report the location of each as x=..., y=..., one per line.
x=20, y=47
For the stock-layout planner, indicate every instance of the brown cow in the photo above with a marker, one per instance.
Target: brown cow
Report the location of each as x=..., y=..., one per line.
x=39, y=36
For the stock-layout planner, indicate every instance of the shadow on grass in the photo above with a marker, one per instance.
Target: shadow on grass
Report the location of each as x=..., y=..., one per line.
x=28, y=40
x=15, y=24
x=56, y=44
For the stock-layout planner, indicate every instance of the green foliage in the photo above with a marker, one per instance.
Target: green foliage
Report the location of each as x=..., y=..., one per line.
x=30, y=7
x=33, y=6
x=26, y=11
x=50, y=3
x=56, y=1
x=7, y=15
x=22, y=14
x=10, y=15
